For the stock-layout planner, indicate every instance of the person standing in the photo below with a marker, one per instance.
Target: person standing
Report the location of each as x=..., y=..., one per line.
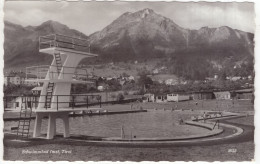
x=204, y=116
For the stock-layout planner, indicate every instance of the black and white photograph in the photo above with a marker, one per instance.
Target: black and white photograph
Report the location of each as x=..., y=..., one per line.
x=128, y=81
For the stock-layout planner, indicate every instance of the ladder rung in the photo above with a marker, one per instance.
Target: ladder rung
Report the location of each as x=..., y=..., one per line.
x=25, y=110
x=25, y=114
x=24, y=118
x=24, y=125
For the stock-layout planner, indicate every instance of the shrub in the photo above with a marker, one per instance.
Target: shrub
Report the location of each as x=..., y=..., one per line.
x=120, y=97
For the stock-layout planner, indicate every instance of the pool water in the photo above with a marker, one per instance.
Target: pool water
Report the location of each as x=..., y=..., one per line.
x=151, y=124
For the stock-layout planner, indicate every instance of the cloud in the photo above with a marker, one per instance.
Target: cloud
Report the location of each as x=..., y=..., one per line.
x=90, y=17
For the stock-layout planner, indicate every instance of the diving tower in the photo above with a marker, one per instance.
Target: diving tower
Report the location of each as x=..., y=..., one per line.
x=55, y=98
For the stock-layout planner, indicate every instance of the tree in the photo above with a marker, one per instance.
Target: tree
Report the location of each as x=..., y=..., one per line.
x=144, y=81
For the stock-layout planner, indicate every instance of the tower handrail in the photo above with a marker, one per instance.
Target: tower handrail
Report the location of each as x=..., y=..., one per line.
x=40, y=72
x=58, y=40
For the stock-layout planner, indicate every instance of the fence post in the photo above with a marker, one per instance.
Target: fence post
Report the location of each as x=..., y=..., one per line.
x=73, y=102
x=87, y=101
x=25, y=102
x=122, y=132
x=46, y=102
x=57, y=101
x=99, y=101
x=34, y=102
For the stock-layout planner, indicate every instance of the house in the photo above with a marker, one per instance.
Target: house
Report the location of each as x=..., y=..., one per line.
x=177, y=97
x=148, y=97
x=19, y=102
x=30, y=82
x=222, y=95
x=203, y=95
x=235, y=78
x=18, y=78
x=36, y=90
x=244, y=94
x=160, y=98
x=171, y=82
x=13, y=79
x=131, y=78
x=122, y=82
x=101, y=88
x=155, y=71
x=207, y=79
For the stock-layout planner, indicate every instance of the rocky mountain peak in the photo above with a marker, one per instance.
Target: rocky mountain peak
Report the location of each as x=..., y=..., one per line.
x=145, y=12
x=52, y=26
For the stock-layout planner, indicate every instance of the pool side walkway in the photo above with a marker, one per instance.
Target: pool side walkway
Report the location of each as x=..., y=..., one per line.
x=15, y=116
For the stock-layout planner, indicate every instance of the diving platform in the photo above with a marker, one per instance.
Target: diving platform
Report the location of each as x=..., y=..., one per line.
x=52, y=50
x=56, y=100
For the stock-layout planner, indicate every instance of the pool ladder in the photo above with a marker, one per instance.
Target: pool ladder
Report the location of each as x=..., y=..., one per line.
x=24, y=122
x=48, y=96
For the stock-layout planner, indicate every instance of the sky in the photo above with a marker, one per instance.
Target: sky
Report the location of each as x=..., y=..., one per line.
x=89, y=17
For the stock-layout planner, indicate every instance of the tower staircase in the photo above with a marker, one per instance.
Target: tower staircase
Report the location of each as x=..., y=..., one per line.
x=24, y=122
x=58, y=62
x=49, y=92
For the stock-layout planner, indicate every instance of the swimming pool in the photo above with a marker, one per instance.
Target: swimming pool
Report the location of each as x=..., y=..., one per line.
x=150, y=124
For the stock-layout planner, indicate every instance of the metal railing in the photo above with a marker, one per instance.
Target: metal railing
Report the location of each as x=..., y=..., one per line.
x=216, y=124
x=40, y=72
x=73, y=101
x=63, y=41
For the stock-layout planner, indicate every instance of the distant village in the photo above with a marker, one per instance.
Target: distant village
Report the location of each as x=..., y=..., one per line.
x=125, y=86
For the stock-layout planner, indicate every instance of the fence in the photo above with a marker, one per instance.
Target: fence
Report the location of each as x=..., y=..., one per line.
x=74, y=101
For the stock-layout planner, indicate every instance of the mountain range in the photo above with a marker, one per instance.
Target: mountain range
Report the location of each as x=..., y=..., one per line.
x=141, y=35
